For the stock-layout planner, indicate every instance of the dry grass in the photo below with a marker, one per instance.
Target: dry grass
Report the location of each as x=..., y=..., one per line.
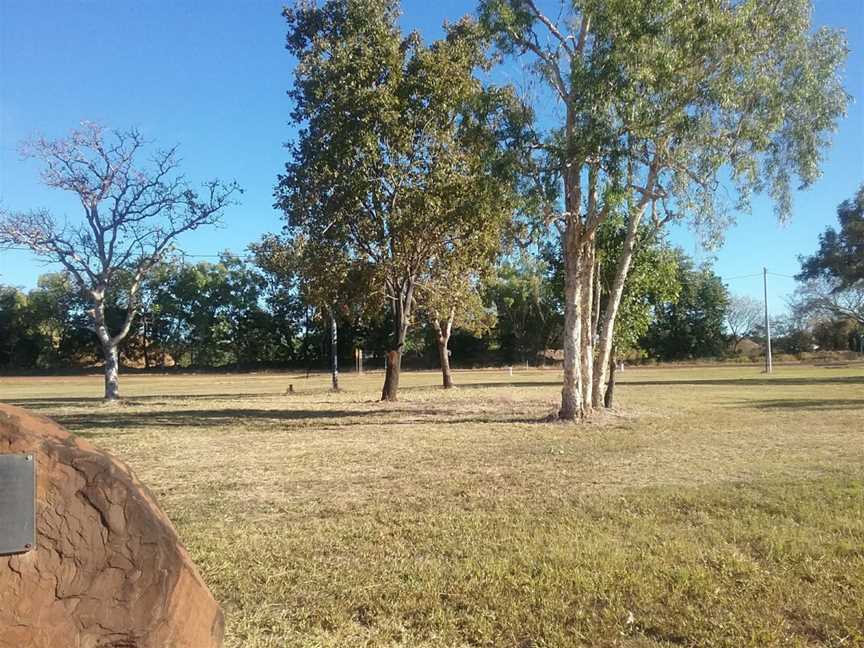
x=717, y=507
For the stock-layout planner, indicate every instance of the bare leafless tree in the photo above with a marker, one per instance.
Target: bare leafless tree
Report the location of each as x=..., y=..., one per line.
x=131, y=218
x=828, y=297
x=743, y=314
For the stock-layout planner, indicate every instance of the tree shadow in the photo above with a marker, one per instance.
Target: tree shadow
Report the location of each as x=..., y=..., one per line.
x=133, y=399
x=43, y=403
x=623, y=381
x=118, y=420
x=485, y=385
x=489, y=419
x=805, y=404
x=722, y=382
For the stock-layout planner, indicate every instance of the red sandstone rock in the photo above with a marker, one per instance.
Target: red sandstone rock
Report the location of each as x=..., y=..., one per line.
x=108, y=570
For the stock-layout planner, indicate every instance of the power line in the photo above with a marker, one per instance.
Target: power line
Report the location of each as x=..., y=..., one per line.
x=747, y=276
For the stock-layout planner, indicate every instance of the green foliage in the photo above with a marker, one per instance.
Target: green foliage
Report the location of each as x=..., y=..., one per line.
x=211, y=314
x=653, y=279
x=710, y=94
x=48, y=327
x=693, y=325
x=841, y=253
x=19, y=344
x=60, y=311
x=460, y=297
x=400, y=173
x=665, y=106
x=837, y=335
x=528, y=312
x=275, y=262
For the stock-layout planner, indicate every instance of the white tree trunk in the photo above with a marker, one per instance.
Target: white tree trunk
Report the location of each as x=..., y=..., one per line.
x=572, y=404
x=586, y=277
x=112, y=367
x=596, y=299
x=613, y=302
x=110, y=344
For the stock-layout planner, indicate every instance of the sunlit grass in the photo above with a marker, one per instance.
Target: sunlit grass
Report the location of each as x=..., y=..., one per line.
x=715, y=507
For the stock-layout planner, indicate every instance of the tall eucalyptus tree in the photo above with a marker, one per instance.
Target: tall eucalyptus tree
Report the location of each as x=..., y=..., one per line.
x=665, y=105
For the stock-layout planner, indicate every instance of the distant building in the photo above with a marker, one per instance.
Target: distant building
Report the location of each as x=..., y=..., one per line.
x=746, y=346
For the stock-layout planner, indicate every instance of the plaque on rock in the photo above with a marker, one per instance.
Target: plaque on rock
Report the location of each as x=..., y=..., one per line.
x=17, y=503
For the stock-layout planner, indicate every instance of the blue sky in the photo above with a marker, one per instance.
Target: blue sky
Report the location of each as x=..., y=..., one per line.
x=212, y=76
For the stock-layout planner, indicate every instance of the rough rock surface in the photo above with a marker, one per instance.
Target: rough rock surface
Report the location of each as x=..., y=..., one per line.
x=108, y=570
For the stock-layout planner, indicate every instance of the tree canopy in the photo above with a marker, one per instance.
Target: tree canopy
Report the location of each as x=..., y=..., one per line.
x=841, y=253
x=400, y=159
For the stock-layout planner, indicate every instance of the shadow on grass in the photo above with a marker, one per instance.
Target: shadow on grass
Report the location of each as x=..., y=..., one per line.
x=118, y=420
x=48, y=402
x=806, y=404
x=714, y=382
x=485, y=419
x=485, y=385
x=776, y=381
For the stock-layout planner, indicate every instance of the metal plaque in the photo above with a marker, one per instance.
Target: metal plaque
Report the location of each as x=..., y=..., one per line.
x=17, y=503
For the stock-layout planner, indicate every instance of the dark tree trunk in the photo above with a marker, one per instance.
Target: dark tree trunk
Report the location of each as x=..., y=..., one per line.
x=391, y=376
x=334, y=350
x=609, y=396
x=402, y=304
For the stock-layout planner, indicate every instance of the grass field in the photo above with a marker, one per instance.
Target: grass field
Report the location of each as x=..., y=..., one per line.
x=716, y=507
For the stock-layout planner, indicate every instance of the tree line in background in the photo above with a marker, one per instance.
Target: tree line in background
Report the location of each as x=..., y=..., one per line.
x=417, y=191
x=251, y=313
